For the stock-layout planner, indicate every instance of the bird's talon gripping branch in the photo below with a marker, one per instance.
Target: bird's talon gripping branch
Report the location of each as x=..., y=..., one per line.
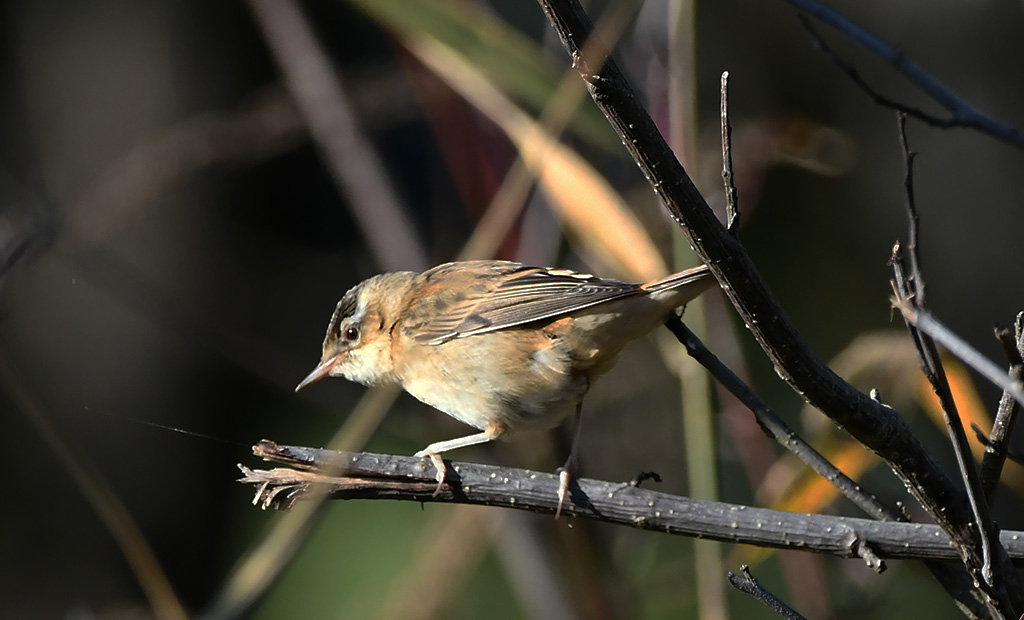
x=441, y=469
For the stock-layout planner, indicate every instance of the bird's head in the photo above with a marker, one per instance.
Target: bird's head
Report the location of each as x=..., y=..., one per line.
x=358, y=341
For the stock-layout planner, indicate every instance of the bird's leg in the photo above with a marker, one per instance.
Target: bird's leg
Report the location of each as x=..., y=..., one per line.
x=566, y=473
x=434, y=450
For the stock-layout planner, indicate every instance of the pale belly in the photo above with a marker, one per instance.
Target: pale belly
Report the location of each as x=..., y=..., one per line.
x=498, y=378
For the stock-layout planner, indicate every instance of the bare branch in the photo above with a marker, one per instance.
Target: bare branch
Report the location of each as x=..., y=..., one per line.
x=731, y=206
x=362, y=475
x=996, y=448
x=749, y=585
x=961, y=114
x=777, y=429
x=873, y=424
x=926, y=322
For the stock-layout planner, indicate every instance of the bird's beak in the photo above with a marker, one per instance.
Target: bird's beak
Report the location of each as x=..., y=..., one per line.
x=322, y=370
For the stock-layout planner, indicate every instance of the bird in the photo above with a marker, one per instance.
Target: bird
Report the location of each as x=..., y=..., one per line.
x=498, y=345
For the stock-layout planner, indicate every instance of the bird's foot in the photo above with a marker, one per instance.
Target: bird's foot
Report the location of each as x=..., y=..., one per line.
x=439, y=465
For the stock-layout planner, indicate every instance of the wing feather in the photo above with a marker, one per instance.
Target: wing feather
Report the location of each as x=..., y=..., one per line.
x=519, y=295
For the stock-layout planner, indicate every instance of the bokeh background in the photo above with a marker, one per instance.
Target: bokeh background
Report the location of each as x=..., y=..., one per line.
x=173, y=238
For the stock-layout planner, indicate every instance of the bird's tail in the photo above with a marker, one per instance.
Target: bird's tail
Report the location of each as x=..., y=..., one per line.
x=685, y=285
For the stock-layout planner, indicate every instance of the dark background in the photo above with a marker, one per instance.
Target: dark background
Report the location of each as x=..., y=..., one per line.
x=199, y=301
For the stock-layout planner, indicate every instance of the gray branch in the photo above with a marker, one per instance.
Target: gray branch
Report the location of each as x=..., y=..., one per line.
x=361, y=475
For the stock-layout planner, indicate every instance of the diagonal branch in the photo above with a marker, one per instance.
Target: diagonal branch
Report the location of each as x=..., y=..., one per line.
x=961, y=114
x=747, y=584
x=996, y=450
x=777, y=429
x=926, y=323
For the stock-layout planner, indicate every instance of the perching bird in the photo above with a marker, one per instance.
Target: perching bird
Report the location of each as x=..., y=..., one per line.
x=498, y=345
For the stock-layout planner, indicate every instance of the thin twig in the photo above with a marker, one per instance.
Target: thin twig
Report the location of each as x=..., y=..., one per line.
x=911, y=291
x=362, y=475
x=777, y=429
x=749, y=585
x=984, y=440
x=961, y=114
x=731, y=206
x=926, y=323
x=996, y=448
x=858, y=80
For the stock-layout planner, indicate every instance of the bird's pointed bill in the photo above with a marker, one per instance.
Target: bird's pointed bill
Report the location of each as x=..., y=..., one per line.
x=322, y=370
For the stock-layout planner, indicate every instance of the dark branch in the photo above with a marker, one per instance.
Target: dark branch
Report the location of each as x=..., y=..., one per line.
x=776, y=428
x=996, y=448
x=876, y=97
x=352, y=475
x=983, y=439
x=749, y=585
x=961, y=114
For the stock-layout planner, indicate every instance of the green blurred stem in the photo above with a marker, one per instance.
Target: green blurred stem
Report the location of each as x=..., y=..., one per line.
x=698, y=420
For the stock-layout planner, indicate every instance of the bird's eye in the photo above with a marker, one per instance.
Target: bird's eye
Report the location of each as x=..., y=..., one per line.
x=352, y=333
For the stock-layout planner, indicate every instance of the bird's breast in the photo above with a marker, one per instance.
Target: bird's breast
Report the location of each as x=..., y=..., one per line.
x=521, y=377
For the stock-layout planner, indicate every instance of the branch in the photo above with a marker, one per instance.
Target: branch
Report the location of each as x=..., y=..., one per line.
x=996, y=449
x=362, y=475
x=951, y=577
x=732, y=210
x=925, y=322
x=776, y=428
x=749, y=585
x=961, y=114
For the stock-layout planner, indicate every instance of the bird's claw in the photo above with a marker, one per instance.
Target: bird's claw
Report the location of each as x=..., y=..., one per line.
x=439, y=466
x=564, y=478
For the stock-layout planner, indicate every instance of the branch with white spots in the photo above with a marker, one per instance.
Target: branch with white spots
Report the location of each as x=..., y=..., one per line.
x=362, y=475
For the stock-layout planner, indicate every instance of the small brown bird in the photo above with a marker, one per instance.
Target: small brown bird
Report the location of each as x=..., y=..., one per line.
x=498, y=345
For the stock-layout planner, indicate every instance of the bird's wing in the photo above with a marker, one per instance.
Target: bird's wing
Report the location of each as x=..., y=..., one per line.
x=496, y=295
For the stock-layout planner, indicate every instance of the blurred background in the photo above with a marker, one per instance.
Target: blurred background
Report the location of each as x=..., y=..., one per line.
x=187, y=188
